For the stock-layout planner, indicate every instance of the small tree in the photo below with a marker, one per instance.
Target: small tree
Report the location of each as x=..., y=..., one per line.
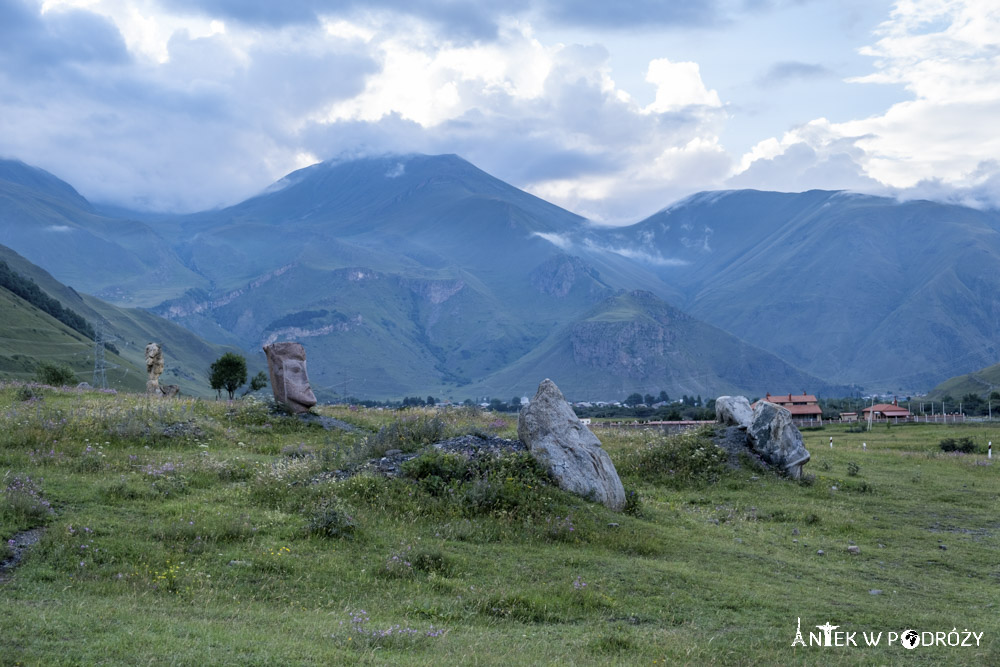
x=257, y=382
x=228, y=372
x=53, y=374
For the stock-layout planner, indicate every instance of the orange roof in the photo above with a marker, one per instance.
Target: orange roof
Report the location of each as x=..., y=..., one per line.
x=803, y=409
x=791, y=398
x=888, y=409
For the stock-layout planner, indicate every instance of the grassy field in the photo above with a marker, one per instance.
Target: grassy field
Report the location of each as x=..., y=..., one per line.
x=201, y=532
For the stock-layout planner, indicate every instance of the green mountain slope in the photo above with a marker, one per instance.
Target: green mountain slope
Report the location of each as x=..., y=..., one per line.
x=636, y=342
x=848, y=287
x=51, y=225
x=28, y=336
x=981, y=383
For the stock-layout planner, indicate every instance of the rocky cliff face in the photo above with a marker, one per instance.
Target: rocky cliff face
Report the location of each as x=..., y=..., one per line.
x=633, y=348
x=559, y=276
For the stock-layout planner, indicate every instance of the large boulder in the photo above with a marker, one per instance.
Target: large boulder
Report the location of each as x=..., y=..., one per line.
x=286, y=363
x=778, y=441
x=733, y=411
x=567, y=449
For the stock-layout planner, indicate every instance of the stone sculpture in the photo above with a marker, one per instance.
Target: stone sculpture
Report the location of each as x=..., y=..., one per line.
x=286, y=363
x=778, y=441
x=568, y=450
x=154, y=368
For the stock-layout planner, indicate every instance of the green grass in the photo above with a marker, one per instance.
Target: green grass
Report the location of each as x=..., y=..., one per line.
x=199, y=532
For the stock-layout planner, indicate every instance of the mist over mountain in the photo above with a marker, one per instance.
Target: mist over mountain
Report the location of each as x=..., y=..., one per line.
x=423, y=274
x=853, y=288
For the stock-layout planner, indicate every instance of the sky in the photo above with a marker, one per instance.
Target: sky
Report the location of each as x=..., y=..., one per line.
x=613, y=110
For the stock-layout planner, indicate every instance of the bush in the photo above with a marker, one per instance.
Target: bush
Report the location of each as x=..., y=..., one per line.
x=436, y=470
x=689, y=458
x=408, y=434
x=56, y=375
x=331, y=519
x=964, y=445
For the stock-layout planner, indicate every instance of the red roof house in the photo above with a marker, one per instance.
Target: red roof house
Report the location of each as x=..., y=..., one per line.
x=802, y=406
x=886, y=410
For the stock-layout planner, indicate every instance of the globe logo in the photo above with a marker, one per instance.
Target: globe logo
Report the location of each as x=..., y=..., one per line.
x=910, y=639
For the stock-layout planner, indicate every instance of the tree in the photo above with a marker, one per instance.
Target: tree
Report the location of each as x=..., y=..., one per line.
x=257, y=382
x=663, y=397
x=633, y=399
x=228, y=372
x=649, y=399
x=431, y=400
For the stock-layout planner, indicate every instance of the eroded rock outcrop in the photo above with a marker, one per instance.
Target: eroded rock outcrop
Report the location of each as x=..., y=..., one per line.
x=733, y=411
x=286, y=363
x=568, y=450
x=778, y=441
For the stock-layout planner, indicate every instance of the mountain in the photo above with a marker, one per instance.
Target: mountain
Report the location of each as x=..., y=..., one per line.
x=423, y=274
x=634, y=341
x=848, y=287
x=51, y=225
x=29, y=335
x=982, y=383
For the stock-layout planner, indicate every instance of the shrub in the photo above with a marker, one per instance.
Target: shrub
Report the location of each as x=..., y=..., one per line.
x=690, y=458
x=853, y=468
x=964, y=445
x=408, y=434
x=331, y=519
x=436, y=470
x=56, y=375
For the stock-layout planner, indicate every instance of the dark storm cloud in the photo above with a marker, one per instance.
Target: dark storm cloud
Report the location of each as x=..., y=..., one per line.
x=784, y=72
x=32, y=42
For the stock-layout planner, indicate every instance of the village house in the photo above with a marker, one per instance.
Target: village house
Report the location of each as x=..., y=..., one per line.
x=886, y=411
x=804, y=407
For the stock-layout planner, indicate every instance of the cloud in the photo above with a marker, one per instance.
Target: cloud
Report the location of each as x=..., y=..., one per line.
x=784, y=72
x=643, y=256
x=945, y=54
x=560, y=241
x=30, y=44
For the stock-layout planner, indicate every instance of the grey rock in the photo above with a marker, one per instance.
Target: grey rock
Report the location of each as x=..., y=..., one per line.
x=84, y=386
x=773, y=435
x=854, y=550
x=874, y=591
x=820, y=552
x=733, y=411
x=560, y=442
x=942, y=547
x=286, y=363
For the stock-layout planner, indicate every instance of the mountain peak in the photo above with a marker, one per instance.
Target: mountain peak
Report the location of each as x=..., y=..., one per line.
x=34, y=178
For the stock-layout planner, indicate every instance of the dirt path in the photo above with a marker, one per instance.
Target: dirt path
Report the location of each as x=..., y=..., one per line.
x=19, y=544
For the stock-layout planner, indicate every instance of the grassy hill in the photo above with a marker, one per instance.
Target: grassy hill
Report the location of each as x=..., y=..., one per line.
x=188, y=531
x=28, y=336
x=981, y=383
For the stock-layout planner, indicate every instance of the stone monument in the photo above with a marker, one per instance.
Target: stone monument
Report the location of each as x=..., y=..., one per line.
x=286, y=363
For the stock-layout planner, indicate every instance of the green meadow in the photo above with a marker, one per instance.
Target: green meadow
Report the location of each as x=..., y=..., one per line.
x=188, y=531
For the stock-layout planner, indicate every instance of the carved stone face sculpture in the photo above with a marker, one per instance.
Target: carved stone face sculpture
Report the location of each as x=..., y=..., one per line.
x=154, y=361
x=286, y=363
